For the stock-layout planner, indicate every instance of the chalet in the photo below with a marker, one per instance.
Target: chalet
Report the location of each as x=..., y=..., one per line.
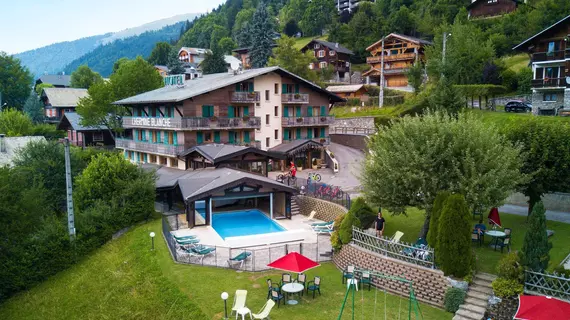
x=162, y=70
x=58, y=101
x=400, y=52
x=57, y=80
x=349, y=5
x=330, y=54
x=353, y=91
x=549, y=53
x=84, y=136
x=192, y=55
x=491, y=8
x=242, y=54
x=259, y=108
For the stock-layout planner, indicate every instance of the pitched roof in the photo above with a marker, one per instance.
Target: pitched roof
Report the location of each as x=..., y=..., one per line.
x=333, y=45
x=12, y=145
x=285, y=148
x=563, y=20
x=346, y=88
x=55, y=79
x=201, y=183
x=476, y=2
x=216, y=153
x=196, y=51
x=161, y=67
x=74, y=121
x=211, y=82
x=402, y=37
x=64, y=97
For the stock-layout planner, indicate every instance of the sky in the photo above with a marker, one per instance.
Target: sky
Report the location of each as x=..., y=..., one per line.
x=30, y=24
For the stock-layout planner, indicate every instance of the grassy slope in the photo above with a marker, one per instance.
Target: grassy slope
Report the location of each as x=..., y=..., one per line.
x=125, y=280
x=301, y=42
x=517, y=62
x=487, y=258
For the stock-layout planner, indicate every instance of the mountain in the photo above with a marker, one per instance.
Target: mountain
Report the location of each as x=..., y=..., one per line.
x=55, y=57
x=103, y=57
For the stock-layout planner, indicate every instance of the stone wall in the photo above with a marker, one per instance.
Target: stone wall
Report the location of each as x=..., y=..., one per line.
x=538, y=102
x=357, y=141
x=358, y=122
x=552, y=201
x=429, y=284
x=325, y=211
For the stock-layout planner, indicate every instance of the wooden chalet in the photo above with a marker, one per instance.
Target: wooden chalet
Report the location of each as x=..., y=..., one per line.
x=330, y=54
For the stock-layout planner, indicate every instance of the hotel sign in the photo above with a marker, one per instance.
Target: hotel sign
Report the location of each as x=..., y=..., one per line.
x=151, y=122
x=175, y=80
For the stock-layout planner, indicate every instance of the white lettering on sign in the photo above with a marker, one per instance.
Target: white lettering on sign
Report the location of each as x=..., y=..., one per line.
x=152, y=122
x=174, y=80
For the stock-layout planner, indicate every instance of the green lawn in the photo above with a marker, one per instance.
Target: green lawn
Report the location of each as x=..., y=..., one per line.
x=487, y=258
x=303, y=41
x=125, y=280
x=504, y=118
x=516, y=62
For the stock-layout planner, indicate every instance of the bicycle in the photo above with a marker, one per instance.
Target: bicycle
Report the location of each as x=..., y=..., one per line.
x=314, y=177
x=281, y=178
x=336, y=193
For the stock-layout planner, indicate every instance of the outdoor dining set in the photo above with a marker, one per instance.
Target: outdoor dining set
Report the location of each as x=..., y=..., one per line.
x=288, y=286
x=499, y=239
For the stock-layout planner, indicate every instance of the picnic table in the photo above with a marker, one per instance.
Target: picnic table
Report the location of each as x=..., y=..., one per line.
x=495, y=234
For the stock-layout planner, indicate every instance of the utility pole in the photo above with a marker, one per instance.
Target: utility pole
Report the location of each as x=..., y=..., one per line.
x=70, y=215
x=381, y=94
x=445, y=35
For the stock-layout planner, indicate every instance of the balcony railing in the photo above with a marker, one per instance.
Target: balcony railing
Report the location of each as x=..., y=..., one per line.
x=568, y=53
x=142, y=146
x=549, y=83
x=244, y=97
x=306, y=121
x=325, y=140
x=295, y=98
x=547, y=56
x=192, y=123
x=395, y=70
x=396, y=57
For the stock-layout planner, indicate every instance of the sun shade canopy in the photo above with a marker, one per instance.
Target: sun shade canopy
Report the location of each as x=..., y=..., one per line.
x=293, y=262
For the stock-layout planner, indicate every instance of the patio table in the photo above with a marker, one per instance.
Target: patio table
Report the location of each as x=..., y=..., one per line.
x=495, y=234
x=293, y=287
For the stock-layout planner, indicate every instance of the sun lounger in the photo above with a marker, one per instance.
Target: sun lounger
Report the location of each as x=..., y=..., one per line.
x=397, y=236
x=187, y=241
x=239, y=300
x=323, y=230
x=240, y=258
x=322, y=224
x=199, y=252
x=264, y=312
x=311, y=216
x=183, y=237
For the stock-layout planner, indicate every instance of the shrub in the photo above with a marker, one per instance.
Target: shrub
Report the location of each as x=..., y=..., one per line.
x=454, y=297
x=510, y=268
x=438, y=204
x=505, y=288
x=49, y=131
x=561, y=271
x=338, y=221
x=363, y=212
x=453, y=248
x=534, y=253
x=335, y=241
x=345, y=231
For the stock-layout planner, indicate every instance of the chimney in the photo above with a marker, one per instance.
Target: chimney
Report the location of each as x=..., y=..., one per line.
x=336, y=45
x=2, y=142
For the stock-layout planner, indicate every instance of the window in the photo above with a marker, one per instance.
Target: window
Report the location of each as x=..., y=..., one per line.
x=97, y=136
x=163, y=161
x=174, y=162
x=321, y=53
x=290, y=88
x=317, y=46
x=244, y=87
x=276, y=111
x=267, y=119
x=332, y=53
x=393, y=52
x=347, y=64
x=207, y=111
x=267, y=142
x=276, y=88
x=276, y=134
x=311, y=66
x=491, y=1
x=266, y=95
x=322, y=65
x=208, y=136
x=551, y=72
x=549, y=97
x=152, y=158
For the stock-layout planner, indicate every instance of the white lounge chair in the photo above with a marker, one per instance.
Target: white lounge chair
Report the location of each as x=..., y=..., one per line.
x=264, y=312
x=323, y=229
x=397, y=236
x=239, y=300
x=311, y=216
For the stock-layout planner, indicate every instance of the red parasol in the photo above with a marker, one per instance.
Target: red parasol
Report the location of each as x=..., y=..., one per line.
x=494, y=217
x=542, y=308
x=293, y=262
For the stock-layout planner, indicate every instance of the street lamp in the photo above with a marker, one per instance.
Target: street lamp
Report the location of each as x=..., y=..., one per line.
x=225, y=298
x=152, y=239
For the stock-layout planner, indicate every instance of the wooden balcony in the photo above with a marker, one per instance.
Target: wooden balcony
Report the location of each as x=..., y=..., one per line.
x=395, y=71
x=548, y=56
x=292, y=98
x=549, y=83
x=192, y=123
x=396, y=57
x=244, y=97
x=306, y=121
x=148, y=147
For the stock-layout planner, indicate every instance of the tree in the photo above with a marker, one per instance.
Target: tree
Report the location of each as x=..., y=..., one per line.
x=261, y=37
x=524, y=79
x=291, y=28
x=118, y=64
x=291, y=59
x=131, y=78
x=534, y=253
x=446, y=97
x=491, y=73
x=546, y=157
x=345, y=231
x=218, y=33
x=416, y=76
x=403, y=21
x=33, y=108
x=437, y=208
x=453, y=250
x=84, y=77
x=174, y=64
x=243, y=36
x=40, y=87
x=363, y=212
x=226, y=45
x=15, y=81
x=214, y=62
x=15, y=123
x=417, y=157
x=160, y=54
x=317, y=17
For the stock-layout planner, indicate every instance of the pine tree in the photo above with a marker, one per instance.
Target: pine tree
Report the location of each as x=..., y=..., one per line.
x=174, y=64
x=453, y=250
x=534, y=253
x=261, y=37
x=447, y=97
x=438, y=205
x=214, y=62
x=33, y=108
x=243, y=36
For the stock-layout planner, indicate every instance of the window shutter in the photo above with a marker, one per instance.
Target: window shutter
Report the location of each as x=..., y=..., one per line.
x=309, y=111
x=562, y=73
x=298, y=111
x=238, y=88
x=309, y=133
x=175, y=138
x=165, y=137
x=539, y=73
x=146, y=157
x=251, y=87
x=283, y=88
x=135, y=135
x=246, y=136
x=285, y=112
x=322, y=132
x=246, y=111
x=126, y=154
x=199, y=137
x=217, y=136
x=138, y=157
x=205, y=111
x=158, y=137
x=231, y=112
x=298, y=135
x=323, y=111
x=231, y=137
x=297, y=88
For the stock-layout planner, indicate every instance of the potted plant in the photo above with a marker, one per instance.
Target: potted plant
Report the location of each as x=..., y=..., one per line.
x=315, y=164
x=323, y=140
x=213, y=118
x=299, y=165
x=297, y=95
x=251, y=94
x=300, y=119
x=332, y=155
x=323, y=119
x=245, y=118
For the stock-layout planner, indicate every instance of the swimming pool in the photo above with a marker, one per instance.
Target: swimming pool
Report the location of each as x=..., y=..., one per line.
x=243, y=223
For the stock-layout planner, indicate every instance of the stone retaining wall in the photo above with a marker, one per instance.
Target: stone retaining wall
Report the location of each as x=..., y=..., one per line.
x=429, y=284
x=325, y=211
x=357, y=141
x=357, y=122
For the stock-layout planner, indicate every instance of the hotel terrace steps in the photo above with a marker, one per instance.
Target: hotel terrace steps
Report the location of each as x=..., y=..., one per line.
x=294, y=210
x=475, y=304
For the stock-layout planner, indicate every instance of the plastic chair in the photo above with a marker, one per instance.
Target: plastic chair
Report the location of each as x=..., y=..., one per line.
x=365, y=279
x=265, y=310
x=348, y=273
x=276, y=296
x=272, y=287
x=475, y=237
x=315, y=286
x=301, y=278
x=285, y=278
x=239, y=300
x=504, y=242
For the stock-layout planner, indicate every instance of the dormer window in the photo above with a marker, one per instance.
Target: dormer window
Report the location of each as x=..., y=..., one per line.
x=332, y=53
x=317, y=46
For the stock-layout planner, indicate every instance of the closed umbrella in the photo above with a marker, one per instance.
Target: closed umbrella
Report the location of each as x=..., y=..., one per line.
x=494, y=218
x=542, y=308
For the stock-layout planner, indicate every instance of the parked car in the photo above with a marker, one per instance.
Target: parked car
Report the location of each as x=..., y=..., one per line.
x=518, y=106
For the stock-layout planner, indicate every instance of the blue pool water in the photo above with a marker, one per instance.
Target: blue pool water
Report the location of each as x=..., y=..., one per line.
x=243, y=223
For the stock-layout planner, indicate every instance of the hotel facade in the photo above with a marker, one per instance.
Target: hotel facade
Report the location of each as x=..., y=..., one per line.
x=260, y=108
